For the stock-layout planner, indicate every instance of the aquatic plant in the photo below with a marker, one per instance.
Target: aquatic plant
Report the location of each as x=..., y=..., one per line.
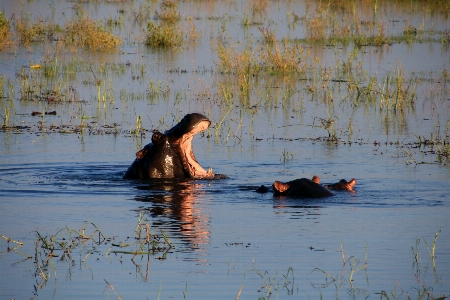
x=5, y=33
x=270, y=283
x=268, y=35
x=231, y=60
x=168, y=12
x=143, y=13
x=63, y=244
x=163, y=35
x=283, y=59
x=351, y=265
x=85, y=32
x=28, y=31
x=145, y=242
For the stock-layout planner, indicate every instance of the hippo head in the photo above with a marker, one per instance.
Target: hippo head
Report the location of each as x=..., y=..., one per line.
x=170, y=154
x=181, y=141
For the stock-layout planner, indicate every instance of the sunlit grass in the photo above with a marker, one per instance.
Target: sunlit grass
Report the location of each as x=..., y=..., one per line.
x=5, y=33
x=29, y=31
x=163, y=35
x=284, y=58
x=87, y=33
x=79, y=32
x=168, y=12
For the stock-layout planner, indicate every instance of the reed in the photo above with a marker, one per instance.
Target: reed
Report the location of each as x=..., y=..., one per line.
x=242, y=63
x=164, y=35
x=271, y=283
x=283, y=59
x=5, y=33
x=268, y=35
x=431, y=249
x=87, y=33
x=28, y=32
x=168, y=12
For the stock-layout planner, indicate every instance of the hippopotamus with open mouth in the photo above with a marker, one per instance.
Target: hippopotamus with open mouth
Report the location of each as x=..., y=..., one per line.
x=310, y=188
x=170, y=154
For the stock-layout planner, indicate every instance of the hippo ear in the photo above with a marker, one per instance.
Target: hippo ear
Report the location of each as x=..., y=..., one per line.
x=141, y=153
x=157, y=137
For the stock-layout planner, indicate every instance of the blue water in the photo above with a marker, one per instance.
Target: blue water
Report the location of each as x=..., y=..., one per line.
x=227, y=238
x=228, y=241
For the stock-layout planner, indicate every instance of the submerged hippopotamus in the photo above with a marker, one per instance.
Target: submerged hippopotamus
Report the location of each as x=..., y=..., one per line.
x=170, y=154
x=310, y=188
x=343, y=185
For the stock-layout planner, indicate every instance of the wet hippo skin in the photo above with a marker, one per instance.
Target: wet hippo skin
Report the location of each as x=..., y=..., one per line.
x=306, y=188
x=170, y=154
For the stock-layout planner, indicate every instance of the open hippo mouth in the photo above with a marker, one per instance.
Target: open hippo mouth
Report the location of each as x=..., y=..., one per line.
x=170, y=154
x=184, y=132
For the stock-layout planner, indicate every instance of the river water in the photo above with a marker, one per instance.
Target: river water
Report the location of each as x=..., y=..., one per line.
x=60, y=174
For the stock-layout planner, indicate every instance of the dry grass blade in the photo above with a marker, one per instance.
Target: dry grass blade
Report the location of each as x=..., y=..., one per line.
x=110, y=286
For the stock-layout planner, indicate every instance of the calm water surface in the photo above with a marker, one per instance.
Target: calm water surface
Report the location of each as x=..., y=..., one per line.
x=228, y=241
x=225, y=235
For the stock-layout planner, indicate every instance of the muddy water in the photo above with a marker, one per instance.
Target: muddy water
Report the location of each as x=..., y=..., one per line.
x=228, y=241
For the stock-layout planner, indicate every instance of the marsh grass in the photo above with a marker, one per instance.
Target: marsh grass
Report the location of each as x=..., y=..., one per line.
x=145, y=242
x=168, y=12
x=28, y=31
x=6, y=105
x=352, y=266
x=50, y=250
x=336, y=22
x=268, y=34
x=163, y=35
x=284, y=58
x=245, y=64
x=80, y=31
x=87, y=33
x=60, y=245
x=143, y=13
x=5, y=33
x=272, y=284
x=241, y=63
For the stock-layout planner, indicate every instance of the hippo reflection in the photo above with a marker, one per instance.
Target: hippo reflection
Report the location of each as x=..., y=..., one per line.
x=170, y=154
x=310, y=188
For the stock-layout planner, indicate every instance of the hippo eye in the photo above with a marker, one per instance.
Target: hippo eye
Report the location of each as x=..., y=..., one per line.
x=156, y=137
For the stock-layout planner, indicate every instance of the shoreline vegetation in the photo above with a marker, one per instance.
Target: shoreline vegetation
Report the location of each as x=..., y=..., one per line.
x=263, y=70
x=241, y=66
x=90, y=244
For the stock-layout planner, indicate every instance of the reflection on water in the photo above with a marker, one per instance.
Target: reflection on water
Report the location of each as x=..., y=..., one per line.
x=218, y=227
x=176, y=205
x=59, y=171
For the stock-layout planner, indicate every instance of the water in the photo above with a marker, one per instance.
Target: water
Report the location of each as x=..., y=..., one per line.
x=228, y=241
x=223, y=232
